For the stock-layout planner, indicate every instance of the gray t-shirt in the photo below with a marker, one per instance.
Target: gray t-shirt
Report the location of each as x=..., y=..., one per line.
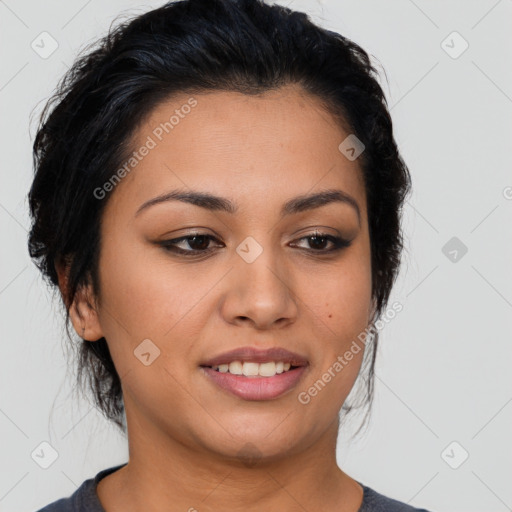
x=85, y=499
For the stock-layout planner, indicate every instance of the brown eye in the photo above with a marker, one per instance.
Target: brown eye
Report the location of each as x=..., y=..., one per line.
x=318, y=241
x=199, y=242
x=193, y=244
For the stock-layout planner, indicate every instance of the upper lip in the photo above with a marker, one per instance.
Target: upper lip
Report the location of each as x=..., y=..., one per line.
x=258, y=356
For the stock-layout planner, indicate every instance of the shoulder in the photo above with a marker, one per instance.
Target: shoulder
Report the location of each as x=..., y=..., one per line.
x=373, y=501
x=84, y=499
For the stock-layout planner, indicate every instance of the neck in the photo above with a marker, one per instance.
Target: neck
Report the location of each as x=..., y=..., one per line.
x=164, y=473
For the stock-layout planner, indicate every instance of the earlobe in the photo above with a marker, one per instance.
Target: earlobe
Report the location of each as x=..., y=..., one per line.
x=85, y=317
x=82, y=310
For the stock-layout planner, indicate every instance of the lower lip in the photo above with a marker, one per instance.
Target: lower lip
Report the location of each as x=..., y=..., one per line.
x=257, y=387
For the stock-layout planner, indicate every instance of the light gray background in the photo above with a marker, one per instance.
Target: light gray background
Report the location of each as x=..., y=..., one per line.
x=444, y=363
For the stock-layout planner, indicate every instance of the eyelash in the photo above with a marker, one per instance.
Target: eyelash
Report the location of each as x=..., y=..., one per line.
x=170, y=245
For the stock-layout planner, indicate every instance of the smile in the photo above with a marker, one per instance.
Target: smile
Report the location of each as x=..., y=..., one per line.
x=250, y=385
x=253, y=369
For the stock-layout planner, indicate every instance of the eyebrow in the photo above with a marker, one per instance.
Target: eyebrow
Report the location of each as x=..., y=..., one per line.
x=292, y=206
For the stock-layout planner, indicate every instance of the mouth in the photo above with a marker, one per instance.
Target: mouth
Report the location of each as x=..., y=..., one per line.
x=274, y=355
x=253, y=369
x=253, y=374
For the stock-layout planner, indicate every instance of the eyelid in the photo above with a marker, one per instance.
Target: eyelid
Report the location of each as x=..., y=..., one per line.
x=169, y=243
x=339, y=243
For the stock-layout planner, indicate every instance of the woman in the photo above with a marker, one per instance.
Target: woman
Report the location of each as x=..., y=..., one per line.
x=217, y=197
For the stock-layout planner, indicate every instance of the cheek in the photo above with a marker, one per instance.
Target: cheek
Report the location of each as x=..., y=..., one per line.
x=338, y=301
x=142, y=300
x=340, y=315
x=341, y=298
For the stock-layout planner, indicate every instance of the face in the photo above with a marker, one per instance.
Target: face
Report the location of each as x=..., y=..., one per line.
x=253, y=276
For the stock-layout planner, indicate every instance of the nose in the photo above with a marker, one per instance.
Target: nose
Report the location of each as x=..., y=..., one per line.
x=260, y=293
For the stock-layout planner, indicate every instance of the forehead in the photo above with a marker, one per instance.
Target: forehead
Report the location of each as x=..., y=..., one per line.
x=272, y=145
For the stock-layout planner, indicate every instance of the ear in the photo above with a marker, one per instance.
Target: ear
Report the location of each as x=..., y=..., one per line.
x=82, y=311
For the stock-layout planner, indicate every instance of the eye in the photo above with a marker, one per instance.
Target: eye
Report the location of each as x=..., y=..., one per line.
x=318, y=241
x=198, y=243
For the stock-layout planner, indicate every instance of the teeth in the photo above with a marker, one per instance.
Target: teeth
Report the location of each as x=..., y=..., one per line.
x=267, y=369
x=250, y=369
x=235, y=368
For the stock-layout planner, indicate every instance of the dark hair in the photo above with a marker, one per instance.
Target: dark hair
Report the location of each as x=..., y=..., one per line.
x=194, y=46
